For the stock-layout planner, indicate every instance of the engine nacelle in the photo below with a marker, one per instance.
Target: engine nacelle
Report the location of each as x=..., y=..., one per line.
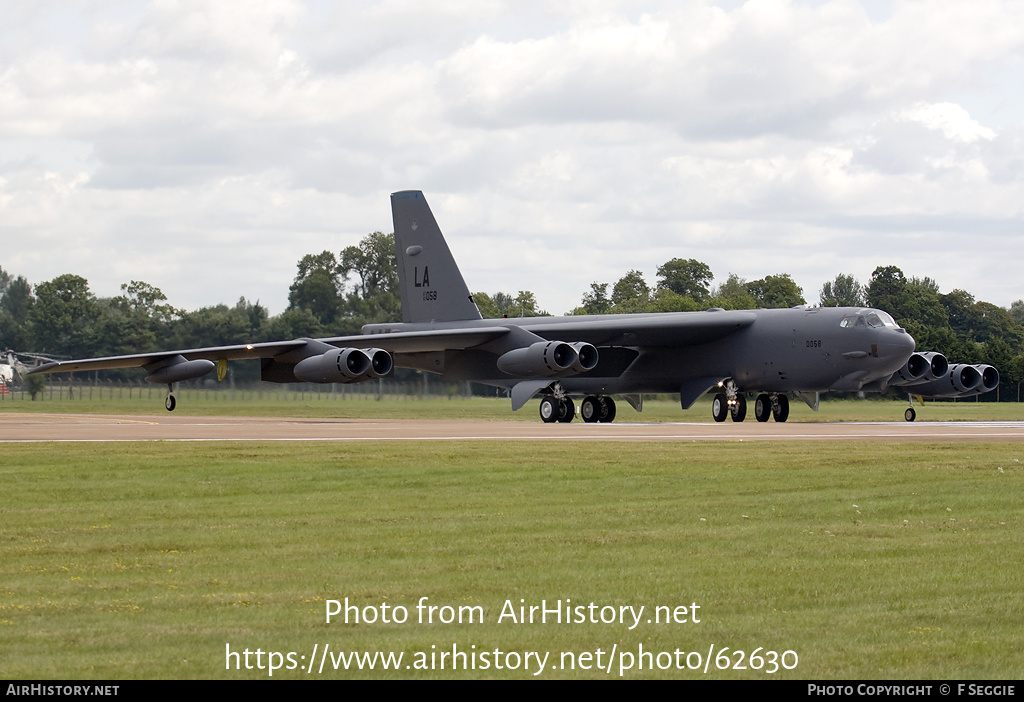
x=939, y=365
x=547, y=359
x=586, y=357
x=344, y=366
x=921, y=368
x=989, y=377
x=961, y=380
x=176, y=369
x=964, y=378
x=381, y=362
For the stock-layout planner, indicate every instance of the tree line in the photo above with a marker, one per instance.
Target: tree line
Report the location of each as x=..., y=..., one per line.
x=336, y=294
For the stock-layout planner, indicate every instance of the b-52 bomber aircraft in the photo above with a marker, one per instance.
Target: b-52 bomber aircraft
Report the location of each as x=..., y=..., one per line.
x=768, y=355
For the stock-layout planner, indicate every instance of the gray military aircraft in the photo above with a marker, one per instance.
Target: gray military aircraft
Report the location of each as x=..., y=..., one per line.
x=768, y=355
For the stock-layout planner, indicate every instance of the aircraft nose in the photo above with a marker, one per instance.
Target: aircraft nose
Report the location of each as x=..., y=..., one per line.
x=898, y=345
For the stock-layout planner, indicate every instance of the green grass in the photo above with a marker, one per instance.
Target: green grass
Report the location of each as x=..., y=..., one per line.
x=869, y=560
x=285, y=402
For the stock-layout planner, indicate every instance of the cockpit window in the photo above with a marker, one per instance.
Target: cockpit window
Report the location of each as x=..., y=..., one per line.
x=876, y=319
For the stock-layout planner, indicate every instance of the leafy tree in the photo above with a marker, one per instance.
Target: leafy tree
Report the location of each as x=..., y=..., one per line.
x=317, y=287
x=373, y=295
x=137, y=320
x=665, y=300
x=15, y=307
x=525, y=303
x=148, y=300
x=62, y=317
x=505, y=304
x=373, y=261
x=925, y=283
x=1012, y=374
x=596, y=301
x=915, y=304
x=631, y=293
x=994, y=322
x=382, y=306
x=886, y=289
x=292, y=324
x=35, y=385
x=844, y=291
x=502, y=304
x=484, y=303
x=775, y=291
x=688, y=277
x=216, y=326
x=1017, y=311
x=996, y=352
x=733, y=295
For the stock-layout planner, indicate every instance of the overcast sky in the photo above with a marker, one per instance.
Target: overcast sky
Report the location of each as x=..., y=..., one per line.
x=205, y=147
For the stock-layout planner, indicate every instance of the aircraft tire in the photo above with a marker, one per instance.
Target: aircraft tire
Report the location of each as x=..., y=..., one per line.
x=719, y=407
x=763, y=408
x=910, y=415
x=590, y=409
x=566, y=411
x=549, y=409
x=170, y=403
x=738, y=412
x=607, y=409
x=780, y=408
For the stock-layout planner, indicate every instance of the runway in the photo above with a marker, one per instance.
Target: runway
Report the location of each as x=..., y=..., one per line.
x=27, y=427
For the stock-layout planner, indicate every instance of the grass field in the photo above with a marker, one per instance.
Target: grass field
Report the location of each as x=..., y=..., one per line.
x=277, y=402
x=867, y=560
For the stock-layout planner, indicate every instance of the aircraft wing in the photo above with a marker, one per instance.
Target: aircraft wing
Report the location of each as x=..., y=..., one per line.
x=137, y=360
x=643, y=329
x=420, y=341
x=610, y=330
x=397, y=342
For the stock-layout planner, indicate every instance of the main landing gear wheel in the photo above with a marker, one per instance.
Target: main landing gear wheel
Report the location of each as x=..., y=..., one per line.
x=170, y=403
x=549, y=407
x=780, y=408
x=763, y=408
x=910, y=415
x=607, y=409
x=719, y=407
x=738, y=411
x=597, y=409
x=566, y=411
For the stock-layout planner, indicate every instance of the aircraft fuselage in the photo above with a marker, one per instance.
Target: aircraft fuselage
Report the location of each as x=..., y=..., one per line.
x=778, y=350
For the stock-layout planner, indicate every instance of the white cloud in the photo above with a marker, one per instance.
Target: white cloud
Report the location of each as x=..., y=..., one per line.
x=952, y=120
x=206, y=147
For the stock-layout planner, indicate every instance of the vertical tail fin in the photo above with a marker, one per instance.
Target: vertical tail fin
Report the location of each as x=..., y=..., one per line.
x=431, y=285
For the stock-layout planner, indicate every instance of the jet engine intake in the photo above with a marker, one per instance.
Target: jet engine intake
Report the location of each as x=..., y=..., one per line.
x=586, y=356
x=939, y=365
x=964, y=378
x=176, y=369
x=989, y=377
x=345, y=365
x=961, y=380
x=922, y=367
x=547, y=359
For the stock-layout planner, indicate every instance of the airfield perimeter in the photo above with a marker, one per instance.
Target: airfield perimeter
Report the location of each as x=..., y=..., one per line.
x=28, y=427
